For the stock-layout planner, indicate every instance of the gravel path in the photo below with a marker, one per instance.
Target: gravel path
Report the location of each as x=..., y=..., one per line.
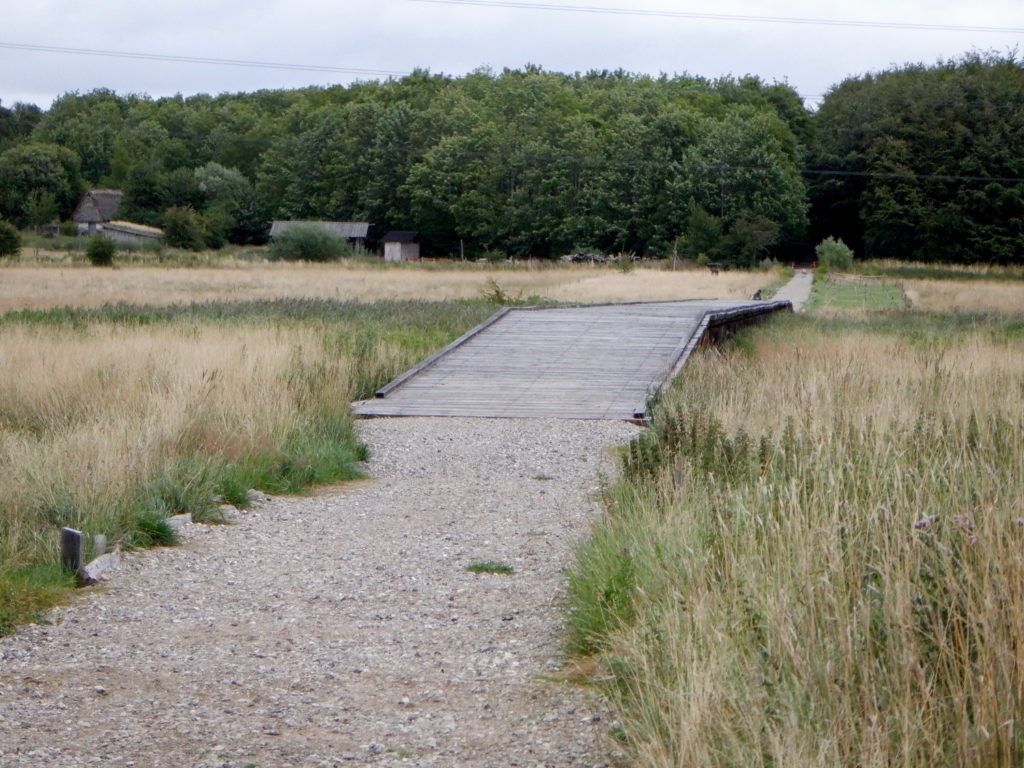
x=339, y=629
x=797, y=290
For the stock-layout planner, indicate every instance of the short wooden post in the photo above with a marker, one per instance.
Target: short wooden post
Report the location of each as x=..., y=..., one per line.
x=71, y=550
x=99, y=545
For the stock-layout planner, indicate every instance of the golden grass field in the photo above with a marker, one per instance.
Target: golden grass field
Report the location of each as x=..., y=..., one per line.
x=966, y=295
x=88, y=415
x=41, y=287
x=831, y=572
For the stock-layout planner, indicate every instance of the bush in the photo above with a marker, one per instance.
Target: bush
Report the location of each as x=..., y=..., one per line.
x=833, y=254
x=68, y=229
x=100, y=251
x=184, y=228
x=10, y=240
x=307, y=242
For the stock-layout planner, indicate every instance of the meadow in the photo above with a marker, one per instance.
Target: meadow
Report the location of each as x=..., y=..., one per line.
x=34, y=286
x=131, y=394
x=814, y=556
x=113, y=419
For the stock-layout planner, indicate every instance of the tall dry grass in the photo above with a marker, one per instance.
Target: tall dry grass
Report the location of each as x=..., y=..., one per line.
x=1001, y=296
x=42, y=287
x=111, y=420
x=89, y=417
x=817, y=555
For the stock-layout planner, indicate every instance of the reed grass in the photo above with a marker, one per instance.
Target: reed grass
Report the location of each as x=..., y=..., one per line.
x=971, y=295
x=816, y=555
x=112, y=419
x=46, y=287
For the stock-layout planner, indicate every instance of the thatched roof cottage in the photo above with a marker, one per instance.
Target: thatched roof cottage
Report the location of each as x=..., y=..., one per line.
x=97, y=206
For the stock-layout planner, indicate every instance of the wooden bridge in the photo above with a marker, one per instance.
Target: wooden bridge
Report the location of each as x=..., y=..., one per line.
x=601, y=361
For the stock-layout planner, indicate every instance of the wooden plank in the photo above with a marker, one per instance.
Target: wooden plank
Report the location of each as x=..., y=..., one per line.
x=599, y=361
x=383, y=392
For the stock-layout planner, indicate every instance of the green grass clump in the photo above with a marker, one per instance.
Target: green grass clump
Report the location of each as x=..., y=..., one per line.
x=150, y=529
x=489, y=566
x=29, y=591
x=829, y=294
x=913, y=271
x=815, y=555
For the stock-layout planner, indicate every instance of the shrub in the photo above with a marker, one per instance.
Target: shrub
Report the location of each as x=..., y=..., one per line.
x=10, y=240
x=308, y=242
x=68, y=229
x=184, y=228
x=100, y=251
x=833, y=254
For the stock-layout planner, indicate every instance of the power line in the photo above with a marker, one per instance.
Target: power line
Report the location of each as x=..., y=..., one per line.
x=726, y=16
x=204, y=60
x=593, y=161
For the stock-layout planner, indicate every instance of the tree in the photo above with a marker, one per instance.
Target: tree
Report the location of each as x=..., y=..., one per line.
x=703, y=235
x=100, y=251
x=40, y=207
x=16, y=123
x=184, y=228
x=10, y=240
x=749, y=238
x=924, y=160
x=86, y=124
x=833, y=254
x=37, y=169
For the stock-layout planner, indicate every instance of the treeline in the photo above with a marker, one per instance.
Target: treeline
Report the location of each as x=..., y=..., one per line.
x=534, y=163
x=924, y=163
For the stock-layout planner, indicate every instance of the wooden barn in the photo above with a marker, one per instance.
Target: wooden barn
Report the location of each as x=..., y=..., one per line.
x=353, y=231
x=401, y=246
x=97, y=207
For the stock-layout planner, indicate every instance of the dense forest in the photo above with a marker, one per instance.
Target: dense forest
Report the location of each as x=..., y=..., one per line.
x=917, y=162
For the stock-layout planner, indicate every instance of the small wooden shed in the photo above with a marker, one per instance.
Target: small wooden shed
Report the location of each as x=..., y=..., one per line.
x=401, y=245
x=96, y=207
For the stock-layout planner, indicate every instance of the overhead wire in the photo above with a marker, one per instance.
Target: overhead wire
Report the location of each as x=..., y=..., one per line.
x=595, y=9
x=204, y=60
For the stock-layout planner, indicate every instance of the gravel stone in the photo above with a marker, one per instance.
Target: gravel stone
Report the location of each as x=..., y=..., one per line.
x=341, y=628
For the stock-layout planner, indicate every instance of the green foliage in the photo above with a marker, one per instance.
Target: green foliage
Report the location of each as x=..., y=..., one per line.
x=750, y=237
x=29, y=591
x=100, y=251
x=184, y=228
x=44, y=173
x=40, y=207
x=834, y=255
x=17, y=122
x=490, y=566
x=10, y=239
x=526, y=162
x=703, y=236
x=68, y=229
x=308, y=242
x=938, y=138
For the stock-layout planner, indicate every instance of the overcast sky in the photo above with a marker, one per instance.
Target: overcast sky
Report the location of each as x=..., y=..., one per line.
x=399, y=35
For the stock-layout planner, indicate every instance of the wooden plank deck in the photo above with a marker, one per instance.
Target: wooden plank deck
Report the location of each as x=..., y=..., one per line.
x=592, y=362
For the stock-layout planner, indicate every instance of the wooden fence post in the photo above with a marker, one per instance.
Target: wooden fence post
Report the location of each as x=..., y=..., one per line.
x=71, y=550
